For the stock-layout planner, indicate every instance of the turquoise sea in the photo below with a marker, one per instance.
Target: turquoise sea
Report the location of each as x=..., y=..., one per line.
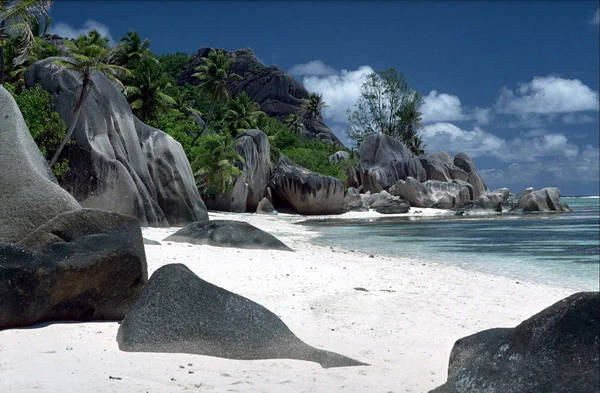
x=557, y=249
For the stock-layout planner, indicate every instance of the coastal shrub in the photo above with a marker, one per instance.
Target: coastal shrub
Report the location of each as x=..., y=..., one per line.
x=44, y=124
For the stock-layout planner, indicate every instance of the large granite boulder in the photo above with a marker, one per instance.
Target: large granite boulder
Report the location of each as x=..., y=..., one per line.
x=353, y=200
x=339, y=156
x=82, y=265
x=118, y=164
x=491, y=201
x=544, y=200
x=254, y=147
x=28, y=190
x=412, y=191
x=446, y=195
x=464, y=162
x=553, y=351
x=178, y=312
x=227, y=233
x=384, y=161
x=466, y=184
x=265, y=207
x=306, y=192
x=394, y=207
x=379, y=199
x=277, y=93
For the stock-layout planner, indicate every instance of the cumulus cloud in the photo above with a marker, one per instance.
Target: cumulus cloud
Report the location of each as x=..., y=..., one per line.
x=68, y=31
x=312, y=68
x=441, y=107
x=477, y=142
x=547, y=95
x=340, y=91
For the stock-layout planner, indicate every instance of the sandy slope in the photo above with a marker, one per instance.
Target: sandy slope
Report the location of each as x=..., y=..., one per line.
x=404, y=325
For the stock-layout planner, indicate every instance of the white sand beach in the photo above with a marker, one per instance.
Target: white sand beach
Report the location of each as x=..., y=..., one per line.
x=404, y=325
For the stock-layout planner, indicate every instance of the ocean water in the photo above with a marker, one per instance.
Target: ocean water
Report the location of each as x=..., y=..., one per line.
x=556, y=249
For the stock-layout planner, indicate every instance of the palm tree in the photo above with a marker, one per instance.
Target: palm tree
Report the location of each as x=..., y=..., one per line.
x=84, y=60
x=14, y=15
x=215, y=167
x=145, y=89
x=131, y=49
x=294, y=122
x=312, y=107
x=241, y=114
x=410, y=122
x=214, y=75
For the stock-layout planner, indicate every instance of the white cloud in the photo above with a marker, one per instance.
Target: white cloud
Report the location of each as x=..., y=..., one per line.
x=572, y=118
x=482, y=116
x=477, y=142
x=441, y=107
x=596, y=18
x=68, y=31
x=340, y=91
x=312, y=68
x=547, y=95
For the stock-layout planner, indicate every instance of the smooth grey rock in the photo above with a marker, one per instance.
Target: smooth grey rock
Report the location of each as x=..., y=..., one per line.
x=394, y=207
x=254, y=147
x=414, y=192
x=553, y=351
x=276, y=92
x=265, y=207
x=446, y=195
x=114, y=155
x=464, y=162
x=384, y=161
x=352, y=199
x=178, y=312
x=526, y=191
x=307, y=192
x=506, y=194
x=436, y=165
x=227, y=233
x=82, y=265
x=544, y=200
x=491, y=201
x=151, y=242
x=235, y=201
x=379, y=199
x=466, y=184
x=28, y=190
x=339, y=156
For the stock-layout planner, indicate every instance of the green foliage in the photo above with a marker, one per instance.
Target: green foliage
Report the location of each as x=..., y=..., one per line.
x=180, y=126
x=311, y=108
x=44, y=124
x=173, y=64
x=214, y=165
x=388, y=106
x=146, y=87
x=131, y=49
x=241, y=114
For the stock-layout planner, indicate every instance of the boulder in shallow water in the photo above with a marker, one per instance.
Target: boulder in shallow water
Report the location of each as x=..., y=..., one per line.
x=544, y=200
x=178, y=312
x=553, y=351
x=227, y=233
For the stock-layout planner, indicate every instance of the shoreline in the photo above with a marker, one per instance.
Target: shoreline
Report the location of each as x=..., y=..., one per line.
x=403, y=321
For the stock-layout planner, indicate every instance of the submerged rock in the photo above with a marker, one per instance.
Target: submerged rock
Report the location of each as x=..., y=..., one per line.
x=178, y=312
x=553, y=351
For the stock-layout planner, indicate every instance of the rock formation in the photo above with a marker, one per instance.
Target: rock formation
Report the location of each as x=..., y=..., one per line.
x=553, y=351
x=30, y=194
x=227, y=233
x=306, y=192
x=81, y=265
x=119, y=164
x=544, y=200
x=464, y=162
x=177, y=312
x=277, y=93
x=384, y=161
x=255, y=149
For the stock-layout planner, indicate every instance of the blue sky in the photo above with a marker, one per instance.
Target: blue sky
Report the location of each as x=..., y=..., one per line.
x=514, y=84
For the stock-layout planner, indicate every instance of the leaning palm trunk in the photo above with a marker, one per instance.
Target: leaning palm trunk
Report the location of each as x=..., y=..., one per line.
x=209, y=117
x=76, y=111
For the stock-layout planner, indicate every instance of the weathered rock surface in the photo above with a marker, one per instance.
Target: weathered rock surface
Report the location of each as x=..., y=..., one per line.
x=82, y=265
x=544, y=200
x=464, y=162
x=491, y=201
x=118, y=164
x=277, y=93
x=394, y=207
x=352, y=199
x=307, y=192
x=227, y=233
x=384, y=161
x=446, y=195
x=339, y=156
x=177, y=312
x=412, y=191
x=553, y=351
x=379, y=199
x=254, y=147
x=29, y=192
x=436, y=165
x=466, y=184
x=265, y=207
